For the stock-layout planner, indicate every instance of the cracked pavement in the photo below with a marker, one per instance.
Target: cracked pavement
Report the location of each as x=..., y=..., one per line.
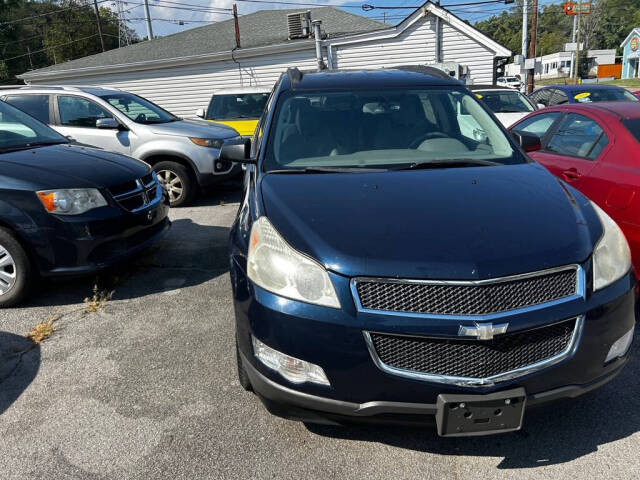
x=147, y=389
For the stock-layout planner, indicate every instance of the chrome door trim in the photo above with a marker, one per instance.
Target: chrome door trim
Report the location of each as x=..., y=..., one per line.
x=568, y=352
x=580, y=292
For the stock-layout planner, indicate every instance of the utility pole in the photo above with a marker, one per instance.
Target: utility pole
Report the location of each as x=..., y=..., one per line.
x=29, y=53
x=577, y=61
x=525, y=24
x=147, y=17
x=573, y=40
x=532, y=44
x=95, y=4
x=237, y=25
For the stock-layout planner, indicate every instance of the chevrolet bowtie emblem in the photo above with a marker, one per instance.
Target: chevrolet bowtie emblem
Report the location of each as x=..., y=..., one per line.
x=483, y=331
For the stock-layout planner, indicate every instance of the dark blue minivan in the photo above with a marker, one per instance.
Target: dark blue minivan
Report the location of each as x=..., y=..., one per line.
x=398, y=257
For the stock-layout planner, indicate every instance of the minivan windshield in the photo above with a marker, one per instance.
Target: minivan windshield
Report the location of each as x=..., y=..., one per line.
x=236, y=106
x=19, y=131
x=384, y=129
x=138, y=109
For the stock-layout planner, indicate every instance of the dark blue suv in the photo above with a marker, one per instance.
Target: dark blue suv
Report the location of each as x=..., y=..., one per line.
x=398, y=257
x=563, y=94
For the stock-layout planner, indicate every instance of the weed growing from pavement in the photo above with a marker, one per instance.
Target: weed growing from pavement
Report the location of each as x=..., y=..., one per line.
x=43, y=330
x=98, y=301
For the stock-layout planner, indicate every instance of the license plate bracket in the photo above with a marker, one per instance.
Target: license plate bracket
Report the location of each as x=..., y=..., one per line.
x=468, y=415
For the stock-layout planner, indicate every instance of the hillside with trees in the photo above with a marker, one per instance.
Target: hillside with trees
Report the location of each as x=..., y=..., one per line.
x=606, y=27
x=34, y=34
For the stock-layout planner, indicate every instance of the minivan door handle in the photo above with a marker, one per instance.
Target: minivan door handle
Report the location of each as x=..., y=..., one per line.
x=571, y=174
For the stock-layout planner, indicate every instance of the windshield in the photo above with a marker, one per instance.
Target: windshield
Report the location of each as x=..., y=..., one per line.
x=138, y=109
x=237, y=106
x=19, y=130
x=603, y=95
x=502, y=101
x=383, y=129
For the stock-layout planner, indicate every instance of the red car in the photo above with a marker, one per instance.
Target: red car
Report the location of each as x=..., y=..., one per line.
x=636, y=93
x=595, y=148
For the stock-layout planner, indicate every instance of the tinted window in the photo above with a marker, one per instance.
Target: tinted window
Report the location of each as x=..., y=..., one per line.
x=139, y=109
x=586, y=95
x=577, y=136
x=538, y=124
x=35, y=105
x=500, y=101
x=382, y=129
x=633, y=125
x=237, y=106
x=558, y=98
x=19, y=130
x=542, y=97
x=80, y=112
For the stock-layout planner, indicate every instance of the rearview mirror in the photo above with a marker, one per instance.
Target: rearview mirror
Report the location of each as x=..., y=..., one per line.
x=200, y=112
x=528, y=141
x=107, y=123
x=238, y=150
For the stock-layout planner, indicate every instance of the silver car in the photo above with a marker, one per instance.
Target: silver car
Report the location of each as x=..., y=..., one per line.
x=184, y=153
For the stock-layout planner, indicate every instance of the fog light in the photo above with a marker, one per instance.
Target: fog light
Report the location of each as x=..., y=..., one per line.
x=620, y=346
x=293, y=369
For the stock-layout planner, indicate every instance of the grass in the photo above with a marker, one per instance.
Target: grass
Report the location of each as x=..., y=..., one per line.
x=622, y=82
x=43, y=330
x=98, y=301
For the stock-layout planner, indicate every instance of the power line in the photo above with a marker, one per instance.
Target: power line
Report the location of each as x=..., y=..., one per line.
x=51, y=47
x=76, y=7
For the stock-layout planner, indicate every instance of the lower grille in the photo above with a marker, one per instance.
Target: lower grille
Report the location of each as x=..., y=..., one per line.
x=135, y=195
x=475, y=359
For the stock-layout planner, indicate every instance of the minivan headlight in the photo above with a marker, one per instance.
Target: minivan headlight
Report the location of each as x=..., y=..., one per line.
x=611, y=257
x=71, y=201
x=273, y=265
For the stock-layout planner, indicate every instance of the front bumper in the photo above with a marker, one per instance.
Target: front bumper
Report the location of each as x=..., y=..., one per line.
x=333, y=339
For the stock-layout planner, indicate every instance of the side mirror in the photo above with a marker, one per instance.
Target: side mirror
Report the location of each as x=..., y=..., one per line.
x=528, y=141
x=200, y=113
x=238, y=150
x=108, y=123
x=540, y=105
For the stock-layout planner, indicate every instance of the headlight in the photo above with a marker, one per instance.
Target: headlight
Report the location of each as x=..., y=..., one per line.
x=207, y=142
x=273, y=265
x=611, y=257
x=71, y=202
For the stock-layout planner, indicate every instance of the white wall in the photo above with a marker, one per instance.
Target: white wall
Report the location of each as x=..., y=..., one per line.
x=458, y=47
x=182, y=90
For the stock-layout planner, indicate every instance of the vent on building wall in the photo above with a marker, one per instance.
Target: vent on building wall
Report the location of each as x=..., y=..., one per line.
x=299, y=25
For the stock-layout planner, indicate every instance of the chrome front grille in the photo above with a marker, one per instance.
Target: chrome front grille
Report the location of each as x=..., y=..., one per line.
x=137, y=194
x=464, y=361
x=467, y=298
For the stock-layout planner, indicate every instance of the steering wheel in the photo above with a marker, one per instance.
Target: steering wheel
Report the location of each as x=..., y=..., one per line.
x=141, y=118
x=427, y=136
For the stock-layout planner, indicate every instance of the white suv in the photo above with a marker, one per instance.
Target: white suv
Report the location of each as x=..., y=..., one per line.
x=184, y=153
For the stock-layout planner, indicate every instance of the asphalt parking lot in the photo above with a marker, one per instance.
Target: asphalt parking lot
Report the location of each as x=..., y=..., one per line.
x=146, y=389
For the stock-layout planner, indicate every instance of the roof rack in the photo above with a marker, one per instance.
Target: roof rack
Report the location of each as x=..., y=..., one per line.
x=425, y=69
x=294, y=74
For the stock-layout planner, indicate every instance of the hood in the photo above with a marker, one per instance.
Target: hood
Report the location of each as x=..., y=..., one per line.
x=193, y=128
x=508, y=119
x=457, y=223
x=244, y=127
x=69, y=166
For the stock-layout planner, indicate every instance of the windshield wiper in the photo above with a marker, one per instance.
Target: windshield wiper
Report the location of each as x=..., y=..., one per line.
x=329, y=170
x=446, y=163
x=28, y=146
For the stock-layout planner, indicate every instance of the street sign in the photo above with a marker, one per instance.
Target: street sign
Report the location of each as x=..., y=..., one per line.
x=575, y=8
x=572, y=47
x=530, y=63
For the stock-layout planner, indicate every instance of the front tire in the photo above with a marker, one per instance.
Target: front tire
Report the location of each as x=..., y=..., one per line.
x=178, y=181
x=16, y=271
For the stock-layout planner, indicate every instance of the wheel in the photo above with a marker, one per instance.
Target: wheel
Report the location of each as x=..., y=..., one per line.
x=16, y=272
x=243, y=378
x=178, y=181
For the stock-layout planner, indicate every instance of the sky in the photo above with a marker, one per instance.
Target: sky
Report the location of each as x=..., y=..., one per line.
x=171, y=16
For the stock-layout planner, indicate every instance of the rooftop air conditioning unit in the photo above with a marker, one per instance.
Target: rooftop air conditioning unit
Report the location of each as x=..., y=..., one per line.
x=299, y=24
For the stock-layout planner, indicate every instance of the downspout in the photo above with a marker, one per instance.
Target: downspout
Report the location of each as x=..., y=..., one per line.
x=438, y=38
x=317, y=33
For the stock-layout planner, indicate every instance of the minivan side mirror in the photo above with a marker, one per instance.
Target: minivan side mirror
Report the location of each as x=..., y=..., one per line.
x=238, y=151
x=528, y=141
x=107, y=123
x=200, y=112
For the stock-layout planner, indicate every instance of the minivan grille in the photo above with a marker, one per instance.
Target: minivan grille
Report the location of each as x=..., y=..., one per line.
x=136, y=194
x=484, y=298
x=473, y=358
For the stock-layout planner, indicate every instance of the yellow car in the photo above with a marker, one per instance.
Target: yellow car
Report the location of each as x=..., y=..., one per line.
x=239, y=108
